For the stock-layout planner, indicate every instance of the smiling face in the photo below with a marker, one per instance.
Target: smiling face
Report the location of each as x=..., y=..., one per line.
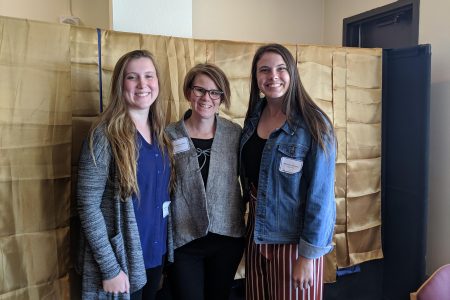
x=272, y=76
x=203, y=106
x=140, y=84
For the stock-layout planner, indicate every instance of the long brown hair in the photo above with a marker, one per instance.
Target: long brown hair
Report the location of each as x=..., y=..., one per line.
x=121, y=131
x=297, y=101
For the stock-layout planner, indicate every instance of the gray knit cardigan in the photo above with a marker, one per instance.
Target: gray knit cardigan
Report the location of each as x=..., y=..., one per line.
x=109, y=235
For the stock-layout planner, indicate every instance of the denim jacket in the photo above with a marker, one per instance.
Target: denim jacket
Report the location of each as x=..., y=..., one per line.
x=295, y=198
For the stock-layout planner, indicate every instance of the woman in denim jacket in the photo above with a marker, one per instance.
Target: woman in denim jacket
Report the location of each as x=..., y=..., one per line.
x=287, y=169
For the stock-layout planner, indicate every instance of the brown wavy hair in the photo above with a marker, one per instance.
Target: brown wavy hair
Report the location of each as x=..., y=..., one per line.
x=296, y=100
x=121, y=131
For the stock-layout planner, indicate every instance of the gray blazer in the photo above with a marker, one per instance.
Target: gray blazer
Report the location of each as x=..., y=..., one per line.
x=109, y=237
x=218, y=209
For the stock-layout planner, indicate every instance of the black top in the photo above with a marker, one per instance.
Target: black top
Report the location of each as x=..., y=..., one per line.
x=251, y=157
x=203, y=148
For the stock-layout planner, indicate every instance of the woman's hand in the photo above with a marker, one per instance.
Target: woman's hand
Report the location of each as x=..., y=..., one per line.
x=302, y=275
x=118, y=284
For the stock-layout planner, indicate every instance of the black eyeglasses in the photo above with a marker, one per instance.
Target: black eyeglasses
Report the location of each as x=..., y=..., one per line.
x=213, y=94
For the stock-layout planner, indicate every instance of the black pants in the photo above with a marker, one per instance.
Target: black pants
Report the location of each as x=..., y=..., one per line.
x=204, y=269
x=148, y=292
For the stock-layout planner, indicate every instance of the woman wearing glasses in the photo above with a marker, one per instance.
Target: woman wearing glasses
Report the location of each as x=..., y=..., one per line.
x=208, y=211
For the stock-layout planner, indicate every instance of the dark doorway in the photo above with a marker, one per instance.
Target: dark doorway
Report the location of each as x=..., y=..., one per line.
x=391, y=26
x=404, y=171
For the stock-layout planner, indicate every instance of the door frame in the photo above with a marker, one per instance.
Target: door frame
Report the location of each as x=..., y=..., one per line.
x=352, y=24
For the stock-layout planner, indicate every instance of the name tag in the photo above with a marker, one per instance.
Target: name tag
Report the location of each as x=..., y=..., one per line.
x=180, y=145
x=165, y=208
x=290, y=166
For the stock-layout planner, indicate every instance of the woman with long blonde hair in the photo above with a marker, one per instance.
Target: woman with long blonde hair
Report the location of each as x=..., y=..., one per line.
x=123, y=186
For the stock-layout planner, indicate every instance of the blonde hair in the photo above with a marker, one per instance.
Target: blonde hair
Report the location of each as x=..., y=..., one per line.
x=121, y=131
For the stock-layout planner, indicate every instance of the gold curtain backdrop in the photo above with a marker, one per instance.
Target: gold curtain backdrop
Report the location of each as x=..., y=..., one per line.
x=50, y=90
x=35, y=149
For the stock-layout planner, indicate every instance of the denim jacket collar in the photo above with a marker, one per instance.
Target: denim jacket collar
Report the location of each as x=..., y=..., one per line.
x=288, y=127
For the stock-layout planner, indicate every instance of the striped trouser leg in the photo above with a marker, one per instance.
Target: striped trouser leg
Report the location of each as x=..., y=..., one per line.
x=255, y=264
x=280, y=263
x=268, y=270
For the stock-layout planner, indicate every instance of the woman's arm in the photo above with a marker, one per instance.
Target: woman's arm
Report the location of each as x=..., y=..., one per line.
x=320, y=209
x=92, y=180
x=320, y=215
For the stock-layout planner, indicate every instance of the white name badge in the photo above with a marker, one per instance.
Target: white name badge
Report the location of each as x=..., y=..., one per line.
x=290, y=166
x=165, y=208
x=180, y=145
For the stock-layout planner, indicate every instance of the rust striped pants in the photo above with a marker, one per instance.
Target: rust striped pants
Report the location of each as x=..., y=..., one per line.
x=268, y=269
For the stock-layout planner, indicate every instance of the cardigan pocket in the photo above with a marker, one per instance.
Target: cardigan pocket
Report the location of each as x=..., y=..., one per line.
x=117, y=244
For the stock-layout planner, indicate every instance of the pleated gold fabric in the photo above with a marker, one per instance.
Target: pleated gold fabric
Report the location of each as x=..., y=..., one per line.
x=35, y=153
x=356, y=104
x=51, y=79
